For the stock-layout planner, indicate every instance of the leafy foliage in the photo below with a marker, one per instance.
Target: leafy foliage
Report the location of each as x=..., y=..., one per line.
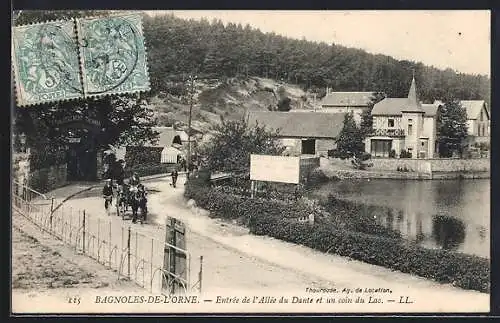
x=233, y=142
x=366, y=125
x=451, y=127
x=350, y=139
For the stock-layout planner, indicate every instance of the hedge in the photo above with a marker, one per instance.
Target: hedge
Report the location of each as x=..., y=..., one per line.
x=225, y=202
x=337, y=235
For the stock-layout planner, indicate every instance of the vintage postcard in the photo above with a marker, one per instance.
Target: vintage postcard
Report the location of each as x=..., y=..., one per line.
x=251, y=162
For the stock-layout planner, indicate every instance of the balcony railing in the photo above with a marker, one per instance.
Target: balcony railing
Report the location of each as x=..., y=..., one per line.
x=389, y=132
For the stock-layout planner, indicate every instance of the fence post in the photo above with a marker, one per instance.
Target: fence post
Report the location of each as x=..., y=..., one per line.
x=128, y=253
x=151, y=264
x=200, y=274
x=110, y=246
x=52, y=205
x=98, y=239
x=83, y=235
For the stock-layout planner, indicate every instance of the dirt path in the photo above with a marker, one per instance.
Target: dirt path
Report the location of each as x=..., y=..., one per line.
x=45, y=270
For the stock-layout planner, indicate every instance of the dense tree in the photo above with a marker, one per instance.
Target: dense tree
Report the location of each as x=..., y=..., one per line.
x=350, y=139
x=177, y=46
x=234, y=141
x=366, y=125
x=451, y=127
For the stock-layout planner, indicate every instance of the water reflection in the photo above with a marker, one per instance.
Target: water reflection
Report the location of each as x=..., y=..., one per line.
x=451, y=214
x=448, y=232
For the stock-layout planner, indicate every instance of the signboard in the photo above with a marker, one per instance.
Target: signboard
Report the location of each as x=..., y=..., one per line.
x=280, y=169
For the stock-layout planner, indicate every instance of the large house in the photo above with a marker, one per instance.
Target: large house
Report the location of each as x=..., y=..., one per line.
x=478, y=120
x=345, y=102
x=310, y=133
x=403, y=124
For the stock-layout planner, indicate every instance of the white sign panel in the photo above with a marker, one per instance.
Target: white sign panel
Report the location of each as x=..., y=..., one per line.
x=275, y=169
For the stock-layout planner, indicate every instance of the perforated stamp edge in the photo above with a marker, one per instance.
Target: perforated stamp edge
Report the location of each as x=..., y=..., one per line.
x=18, y=96
x=146, y=65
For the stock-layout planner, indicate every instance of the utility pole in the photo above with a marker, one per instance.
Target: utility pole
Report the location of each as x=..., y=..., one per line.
x=188, y=162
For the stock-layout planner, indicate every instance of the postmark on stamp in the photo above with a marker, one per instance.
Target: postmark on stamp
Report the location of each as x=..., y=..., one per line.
x=79, y=58
x=113, y=55
x=45, y=62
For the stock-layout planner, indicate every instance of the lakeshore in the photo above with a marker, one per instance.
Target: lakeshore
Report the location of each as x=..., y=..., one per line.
x=430, y=169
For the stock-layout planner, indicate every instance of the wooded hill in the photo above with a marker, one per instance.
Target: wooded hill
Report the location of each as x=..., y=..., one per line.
x=178, y=47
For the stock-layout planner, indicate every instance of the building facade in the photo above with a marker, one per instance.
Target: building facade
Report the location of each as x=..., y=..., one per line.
x=403, y=125
x=303, y=134
x=345, y=102
x=478, y=120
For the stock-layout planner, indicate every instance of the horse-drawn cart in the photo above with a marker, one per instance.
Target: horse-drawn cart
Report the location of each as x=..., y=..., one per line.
x=133, y=198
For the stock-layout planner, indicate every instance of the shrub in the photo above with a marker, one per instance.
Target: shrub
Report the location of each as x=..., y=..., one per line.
x=405, y=154
x=392, y=154
x=139, y=155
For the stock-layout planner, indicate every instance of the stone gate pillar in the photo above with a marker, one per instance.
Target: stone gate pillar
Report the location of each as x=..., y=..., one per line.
x=100, y=164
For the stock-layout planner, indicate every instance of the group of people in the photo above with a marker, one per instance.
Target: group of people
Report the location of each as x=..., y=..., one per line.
x=108, y=190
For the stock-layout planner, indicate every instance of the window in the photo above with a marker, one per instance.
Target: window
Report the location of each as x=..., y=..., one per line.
x=309, y=147
x=390, y=123
x=410, y=129
x=381, y=148
x=481, y=115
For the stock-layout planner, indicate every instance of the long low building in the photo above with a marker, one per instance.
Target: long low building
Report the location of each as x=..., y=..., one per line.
x=302, y=133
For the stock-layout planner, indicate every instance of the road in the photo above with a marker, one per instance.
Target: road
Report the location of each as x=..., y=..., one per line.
x=235, y=262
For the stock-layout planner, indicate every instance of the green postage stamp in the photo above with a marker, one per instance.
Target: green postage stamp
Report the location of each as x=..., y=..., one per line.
x=64, y=60
x=113, y=55
x=45, y=62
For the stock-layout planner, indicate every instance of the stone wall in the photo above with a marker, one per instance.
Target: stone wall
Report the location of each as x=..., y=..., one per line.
x=436, y=165
x=47, y=179
x=414, y=168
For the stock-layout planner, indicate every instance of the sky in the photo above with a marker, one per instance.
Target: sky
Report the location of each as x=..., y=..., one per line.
x=456, y=39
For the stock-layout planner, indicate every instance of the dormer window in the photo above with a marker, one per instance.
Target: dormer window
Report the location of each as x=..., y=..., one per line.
x=390, y=123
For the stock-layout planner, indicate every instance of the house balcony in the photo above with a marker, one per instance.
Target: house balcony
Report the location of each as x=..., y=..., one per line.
x=388, y=132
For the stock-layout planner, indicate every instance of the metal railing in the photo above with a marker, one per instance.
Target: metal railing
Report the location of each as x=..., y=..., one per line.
x=133, y=254
x=388, y=132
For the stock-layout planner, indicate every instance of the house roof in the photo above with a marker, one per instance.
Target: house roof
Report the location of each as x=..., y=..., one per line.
x=395, y=106
x=473, y=108
x=430, y=109
x=309, y=125
x=343, y=99
x=413, y=104
x=389, y=106
x=166, y=137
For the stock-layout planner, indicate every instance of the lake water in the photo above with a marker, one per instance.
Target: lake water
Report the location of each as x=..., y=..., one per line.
x=449, y=214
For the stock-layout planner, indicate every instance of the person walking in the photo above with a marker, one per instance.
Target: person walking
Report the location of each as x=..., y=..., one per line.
x=107, y=193
x=174, y=175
